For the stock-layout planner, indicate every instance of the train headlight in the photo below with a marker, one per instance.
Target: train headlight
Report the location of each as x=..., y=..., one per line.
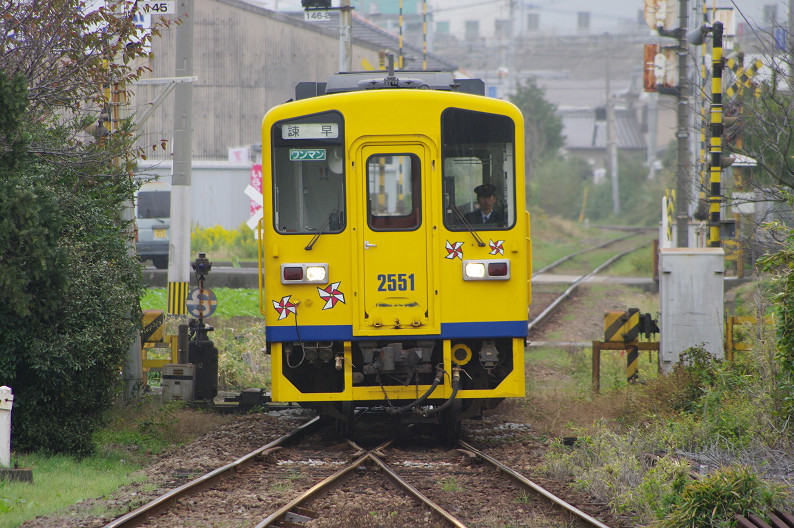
x=316, y=273
x=300, y=273
x=476, y=270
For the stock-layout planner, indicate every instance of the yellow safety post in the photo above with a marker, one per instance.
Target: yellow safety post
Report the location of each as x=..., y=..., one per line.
x=153, y=337
x=624, y=327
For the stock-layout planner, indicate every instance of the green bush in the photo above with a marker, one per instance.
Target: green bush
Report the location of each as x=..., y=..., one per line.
x=714, y=500
x=218, y=242
x=68, y=284
x=640, y=198
x=66, y=333
x=557, y=186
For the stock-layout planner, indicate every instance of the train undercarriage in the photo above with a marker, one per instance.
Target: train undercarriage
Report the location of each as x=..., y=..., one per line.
x=401, y=380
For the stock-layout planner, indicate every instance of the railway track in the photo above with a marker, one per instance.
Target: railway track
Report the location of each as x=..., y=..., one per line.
x=276, y=485
x=549, y=308
x=570, y=256
x=403, y=480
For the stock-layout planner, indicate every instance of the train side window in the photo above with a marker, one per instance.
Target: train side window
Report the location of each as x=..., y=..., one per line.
x=393, y=192
x=478, y=162
x=309, y=174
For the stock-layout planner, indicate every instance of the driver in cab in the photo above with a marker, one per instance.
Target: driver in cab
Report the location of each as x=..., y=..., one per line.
x=486, y=198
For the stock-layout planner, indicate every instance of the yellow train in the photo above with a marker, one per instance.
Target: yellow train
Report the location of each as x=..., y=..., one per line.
x=394, y=249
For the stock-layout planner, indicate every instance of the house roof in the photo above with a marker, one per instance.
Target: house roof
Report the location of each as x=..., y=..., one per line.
x=583, y=131
x=370, y=32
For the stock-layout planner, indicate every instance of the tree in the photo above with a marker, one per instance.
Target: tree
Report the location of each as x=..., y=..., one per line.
x=542, y=126
x=765, y=113
x=764, y=131
x=69, y=287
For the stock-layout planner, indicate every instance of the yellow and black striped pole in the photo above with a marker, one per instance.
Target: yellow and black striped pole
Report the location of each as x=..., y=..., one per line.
x=715, y=194
x=177, y=298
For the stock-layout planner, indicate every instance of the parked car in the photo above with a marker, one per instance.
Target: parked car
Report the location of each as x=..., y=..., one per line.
x=153, y=216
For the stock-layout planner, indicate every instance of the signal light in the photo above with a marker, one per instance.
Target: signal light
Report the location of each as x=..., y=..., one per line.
x=316, y=4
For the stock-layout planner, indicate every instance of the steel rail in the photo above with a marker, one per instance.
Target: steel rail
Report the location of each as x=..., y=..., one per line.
x=163, y=502
x=344, y=472
x=309, y=493
x=416, y=493
x=575, y=284
x=592, y=521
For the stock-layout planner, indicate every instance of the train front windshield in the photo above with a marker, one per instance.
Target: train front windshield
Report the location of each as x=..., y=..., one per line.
x=478, y=160
x=308, y=174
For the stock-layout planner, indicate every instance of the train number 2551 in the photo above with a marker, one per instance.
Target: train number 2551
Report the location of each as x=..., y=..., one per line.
x=396, y=282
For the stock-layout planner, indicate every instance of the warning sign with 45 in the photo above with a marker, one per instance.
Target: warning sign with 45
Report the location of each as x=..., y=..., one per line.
x=165, y=7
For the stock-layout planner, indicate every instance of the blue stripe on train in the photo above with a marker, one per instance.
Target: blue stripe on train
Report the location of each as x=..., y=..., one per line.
x=448, y=331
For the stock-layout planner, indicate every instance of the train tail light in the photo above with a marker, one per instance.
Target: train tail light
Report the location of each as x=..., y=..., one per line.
x=292, y=273
x=300, y=273
x=497, y=269
x=477, y=270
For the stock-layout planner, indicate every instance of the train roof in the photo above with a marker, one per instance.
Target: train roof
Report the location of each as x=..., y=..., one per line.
x=382, y=79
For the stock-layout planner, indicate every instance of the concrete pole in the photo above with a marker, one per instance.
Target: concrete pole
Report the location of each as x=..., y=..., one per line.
x=179, y=250
x=345, y=37
x=132, y=370
x=653, y=109
x=612, y=151
x=400, y=60
x=683, y=151
x=424, y=35
x=512, y=74
x=6, y=402
x=790, y=36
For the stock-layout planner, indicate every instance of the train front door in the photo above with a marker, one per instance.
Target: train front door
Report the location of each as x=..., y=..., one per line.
x=393, y=238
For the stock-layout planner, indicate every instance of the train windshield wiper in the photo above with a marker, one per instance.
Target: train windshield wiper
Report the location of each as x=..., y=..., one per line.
x=320, y=231
x=468, y=225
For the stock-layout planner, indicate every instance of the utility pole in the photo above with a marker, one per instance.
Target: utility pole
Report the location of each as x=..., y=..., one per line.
x=132, y=372
x=612, y=151
x=345, y=37
x=653, y=109
x=512, y=74
x=790, y=33
x=683, y=151
x=179, y=250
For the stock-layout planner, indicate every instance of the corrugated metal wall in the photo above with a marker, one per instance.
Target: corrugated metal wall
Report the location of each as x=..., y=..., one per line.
x=247, y=59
